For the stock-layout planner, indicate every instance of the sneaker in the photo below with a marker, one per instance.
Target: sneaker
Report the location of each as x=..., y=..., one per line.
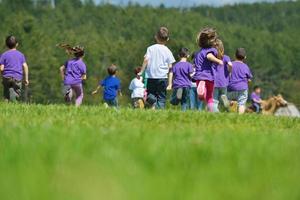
x=201, y=90
x=225, y=101
x=179, y=93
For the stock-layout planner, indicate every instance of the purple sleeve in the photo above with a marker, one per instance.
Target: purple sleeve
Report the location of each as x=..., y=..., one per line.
x=23, y=59
x=249, y=74
x=191, y=69
x=83, y=69
x=214, y=51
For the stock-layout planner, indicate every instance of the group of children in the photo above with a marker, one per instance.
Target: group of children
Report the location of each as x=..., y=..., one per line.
x=210, y=78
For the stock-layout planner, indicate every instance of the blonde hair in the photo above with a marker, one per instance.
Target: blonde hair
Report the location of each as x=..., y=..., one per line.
x=220, y=47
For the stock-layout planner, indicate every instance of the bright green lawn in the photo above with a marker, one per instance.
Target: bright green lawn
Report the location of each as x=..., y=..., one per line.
x=58, y=152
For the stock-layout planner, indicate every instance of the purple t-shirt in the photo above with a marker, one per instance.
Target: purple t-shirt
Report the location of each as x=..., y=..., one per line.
x=255, y=96
x=13, y=61
x=74, y=70
x=239, y=76
x=182, y=71
x=204, y=67
x=222, y=73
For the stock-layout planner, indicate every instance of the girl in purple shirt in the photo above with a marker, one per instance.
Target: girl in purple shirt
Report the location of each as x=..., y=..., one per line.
x=205, y=60
x=73, y=72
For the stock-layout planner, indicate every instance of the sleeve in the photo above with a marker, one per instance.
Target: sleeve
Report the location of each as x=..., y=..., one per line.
x=249, y=74
x=102, y=83
x=83, y=69
x=191, y=69
x=148, y=53
x=171, y=58
x=214, y=51
x=131, y=85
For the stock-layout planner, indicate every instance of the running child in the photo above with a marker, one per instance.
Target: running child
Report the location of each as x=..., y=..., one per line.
x=256, y=99
x=138, y=90
x=111, y=87
x=222, y=73
x=14, y=68
x=205, y=60
x=157, y=63
x=73, y=72
x=180, y=80
x=238, y=81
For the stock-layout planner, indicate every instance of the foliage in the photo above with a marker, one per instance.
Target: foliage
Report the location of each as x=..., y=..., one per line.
x=120, y=35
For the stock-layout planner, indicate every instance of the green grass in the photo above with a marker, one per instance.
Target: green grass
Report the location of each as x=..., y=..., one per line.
x=64, y=153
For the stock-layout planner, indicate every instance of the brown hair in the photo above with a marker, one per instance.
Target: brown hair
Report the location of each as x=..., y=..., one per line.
x=207, y=37
x=137, y=70
x=162, y=34
x=220, y=48
x=77, y=51
x=11, y=42
x=240, y=54
x=112, y=70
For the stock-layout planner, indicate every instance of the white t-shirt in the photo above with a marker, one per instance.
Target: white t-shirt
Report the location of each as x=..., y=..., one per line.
x=159, y=58
x=138, y=88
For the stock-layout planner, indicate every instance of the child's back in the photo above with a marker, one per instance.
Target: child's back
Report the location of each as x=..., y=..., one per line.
x=182, y=75
x=74, y=70
x=111, y=85
x=239, y=77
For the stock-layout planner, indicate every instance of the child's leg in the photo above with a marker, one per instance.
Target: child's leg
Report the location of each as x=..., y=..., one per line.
x=216, y=99
x=201, y=90
x=185, y=99
x=79, y=94
x=242, y=100
x=151, y=92
x=174, y=100
x=209, y=95
x=161, y=92
x=68, y=93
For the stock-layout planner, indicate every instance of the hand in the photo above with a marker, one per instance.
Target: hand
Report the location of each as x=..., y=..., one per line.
x=94, y=92
x=221, y=62
x=140, y=74
x=26, y=82
x=169, y=87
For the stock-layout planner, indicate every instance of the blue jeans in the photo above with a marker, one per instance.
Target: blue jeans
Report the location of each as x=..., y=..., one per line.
x=256, y=107
x=157, y=88
x=112, y=103
x=218, y=92
x=183, y=101
x=195, y=102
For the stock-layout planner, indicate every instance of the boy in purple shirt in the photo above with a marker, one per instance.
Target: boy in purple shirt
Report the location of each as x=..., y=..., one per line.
x=180, y=80
x=238, y=81
x=13, y=66
x=222, y=73
x=73, y=72
x=256, y=99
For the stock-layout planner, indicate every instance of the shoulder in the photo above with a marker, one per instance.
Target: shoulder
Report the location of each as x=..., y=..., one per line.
x=226, y=58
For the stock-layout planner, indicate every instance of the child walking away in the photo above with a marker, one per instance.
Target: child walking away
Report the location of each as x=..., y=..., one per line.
x=157, y=62
x=13, y=67
x=138, y=90
x=222, y=73
x=205, y=60
x=256, y=99
x=112, y=86
x=180, y=80
x=73, y=72
x=238, y=81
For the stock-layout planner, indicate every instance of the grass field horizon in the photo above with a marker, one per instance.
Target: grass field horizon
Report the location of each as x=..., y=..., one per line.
x=67, y=153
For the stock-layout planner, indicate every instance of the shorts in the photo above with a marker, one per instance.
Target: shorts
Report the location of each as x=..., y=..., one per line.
x=240, y=96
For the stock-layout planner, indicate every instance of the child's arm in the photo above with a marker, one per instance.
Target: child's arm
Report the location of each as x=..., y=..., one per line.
x=170, y=81
x=1, y=68
x=97, y=90
x=229, y=64
x=145, y=63
x=26, y=72
x=84, y=77
x=120, y=93
x=213, y=58
x=62, y=72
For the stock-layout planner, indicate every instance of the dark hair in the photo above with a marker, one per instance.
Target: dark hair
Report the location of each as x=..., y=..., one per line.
x=162, y=34
x=207, y=37
x=112, y=70
x=183, y=52
x=11, y=42
x=256, y=87
x=77, y=51
x=240, y=53
x=137, y=70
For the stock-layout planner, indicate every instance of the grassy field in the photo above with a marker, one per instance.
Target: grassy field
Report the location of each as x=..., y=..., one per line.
x=64, y=153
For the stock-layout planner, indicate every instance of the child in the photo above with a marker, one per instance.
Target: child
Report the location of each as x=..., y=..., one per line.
x=222, y=73
x=13, y=67
x=157, y=62
x=181, y=83
x=238, y=81
x=112, y=86
x=256, y=99
x=73, y=72
x=138, y=90
x=205, y=60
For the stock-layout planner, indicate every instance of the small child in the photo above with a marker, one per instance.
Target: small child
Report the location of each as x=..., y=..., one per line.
x=238, y=81
x=180, y=80
x=157, y=62
x=222, y=73
x=256, y=99
x=205, y=60
x=73, y=72
x=13, y=67
x=112, y=86
x=138, y=90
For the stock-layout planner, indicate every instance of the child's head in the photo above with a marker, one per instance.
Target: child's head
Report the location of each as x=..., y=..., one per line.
x=112, y=70
x=137, y=70
x=240, y=54
x=220, y=48
x=207, y=37
x=257, y=89
x=183, y=53
x=162, y=35
x=11, y=42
